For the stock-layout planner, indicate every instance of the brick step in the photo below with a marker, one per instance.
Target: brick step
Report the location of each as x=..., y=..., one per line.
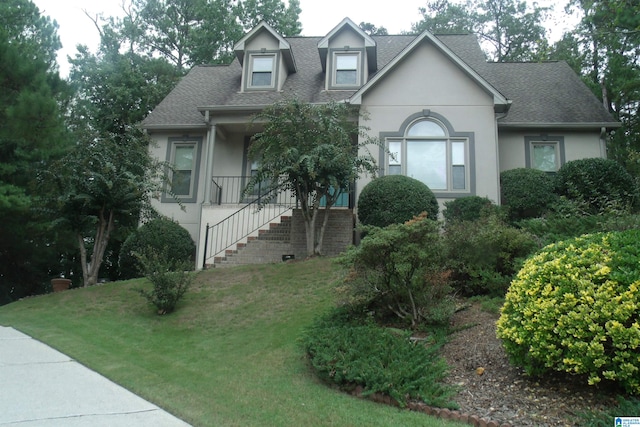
x=267, y=247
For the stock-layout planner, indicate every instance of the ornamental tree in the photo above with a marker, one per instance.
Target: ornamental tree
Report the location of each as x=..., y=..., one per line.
x=312, y=150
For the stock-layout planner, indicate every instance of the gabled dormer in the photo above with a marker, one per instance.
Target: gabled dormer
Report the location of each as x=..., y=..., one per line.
x=266, y=59
x=348, y=55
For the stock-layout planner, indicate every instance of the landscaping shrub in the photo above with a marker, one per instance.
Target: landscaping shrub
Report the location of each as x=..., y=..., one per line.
x=170, y=281
x=527, y=193
x=575, y=307
x=484, y=255
x=553, y=228
x=467, y=208
x=378, y=359
x=601, y=184
x=397, y=271
x=394, y=199
x=160, y=236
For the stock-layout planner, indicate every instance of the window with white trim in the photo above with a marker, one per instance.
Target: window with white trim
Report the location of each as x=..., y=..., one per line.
x=428, y=154
x=262, y=71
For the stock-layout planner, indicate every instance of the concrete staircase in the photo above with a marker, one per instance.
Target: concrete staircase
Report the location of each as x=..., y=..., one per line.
x=269, y=246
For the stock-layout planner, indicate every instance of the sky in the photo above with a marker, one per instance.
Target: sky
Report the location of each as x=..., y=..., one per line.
x=318, y=17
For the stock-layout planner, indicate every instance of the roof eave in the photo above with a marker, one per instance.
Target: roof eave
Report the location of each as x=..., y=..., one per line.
x=560, y=125
x=174, y=126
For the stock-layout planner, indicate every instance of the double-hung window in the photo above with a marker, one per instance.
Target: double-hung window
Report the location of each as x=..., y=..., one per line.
x=183, y=155
x=428, y=154
x=347, y=69
x=262, y=71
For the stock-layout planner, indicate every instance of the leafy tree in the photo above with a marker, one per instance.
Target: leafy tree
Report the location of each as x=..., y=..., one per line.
x=372, y=30
x=443, y=17
x=32, y=133
x=104, y=183
x=604, y=50
x=311, y=150
x=115, y=91
x=283, y=18
x=509, y=30
x=36, y=34
x=191, y=32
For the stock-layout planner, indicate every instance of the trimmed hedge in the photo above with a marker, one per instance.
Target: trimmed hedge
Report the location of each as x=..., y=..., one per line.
x=395, y=199
x=468, y=208
x=599, y=184
x=527, y=193
x=575, y=307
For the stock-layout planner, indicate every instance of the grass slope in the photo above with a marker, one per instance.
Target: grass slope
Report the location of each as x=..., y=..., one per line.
x=228, y=356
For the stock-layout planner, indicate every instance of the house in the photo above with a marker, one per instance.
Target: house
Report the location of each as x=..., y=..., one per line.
x=453, y=120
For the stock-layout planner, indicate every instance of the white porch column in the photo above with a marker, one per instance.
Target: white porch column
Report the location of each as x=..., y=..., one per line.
x=211, y=141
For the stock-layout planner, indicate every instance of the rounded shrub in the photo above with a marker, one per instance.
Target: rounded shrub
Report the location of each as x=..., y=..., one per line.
x=395, y=199
x=469, y=208
x=160, y=237
x=599, y=184
x=527, y=193
x=575, y=307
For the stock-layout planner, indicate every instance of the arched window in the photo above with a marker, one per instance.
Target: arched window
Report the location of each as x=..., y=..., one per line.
x=428, y=153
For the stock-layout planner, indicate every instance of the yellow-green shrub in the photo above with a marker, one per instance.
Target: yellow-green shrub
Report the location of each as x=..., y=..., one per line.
x=575, y=307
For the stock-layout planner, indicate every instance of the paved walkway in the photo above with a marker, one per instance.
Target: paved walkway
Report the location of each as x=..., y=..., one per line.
x=40, y=386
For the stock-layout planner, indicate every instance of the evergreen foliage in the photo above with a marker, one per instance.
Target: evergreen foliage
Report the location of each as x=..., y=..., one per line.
x=468, y=208
x=160, y=236
x=600, y=185
x=394, y=199
x=398, y=271
x=527, y=193
x=574, y=308
x=348, y=354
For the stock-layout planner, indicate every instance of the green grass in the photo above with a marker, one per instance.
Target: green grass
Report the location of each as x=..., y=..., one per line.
x=229, y=355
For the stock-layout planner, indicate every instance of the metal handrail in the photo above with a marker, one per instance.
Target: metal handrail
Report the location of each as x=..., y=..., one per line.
x=245, y=221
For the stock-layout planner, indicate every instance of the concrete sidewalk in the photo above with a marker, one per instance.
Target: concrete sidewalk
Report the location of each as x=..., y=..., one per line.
x=40, y=386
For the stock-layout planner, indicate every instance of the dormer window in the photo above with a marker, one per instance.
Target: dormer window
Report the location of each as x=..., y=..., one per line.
x=347, y=70
x=262, y=71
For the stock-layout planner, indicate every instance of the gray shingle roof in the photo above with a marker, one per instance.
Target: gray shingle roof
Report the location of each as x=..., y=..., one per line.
x=541, y=93
x=545, y=92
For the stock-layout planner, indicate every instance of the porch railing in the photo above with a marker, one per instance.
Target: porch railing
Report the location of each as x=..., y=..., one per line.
x=227, y=190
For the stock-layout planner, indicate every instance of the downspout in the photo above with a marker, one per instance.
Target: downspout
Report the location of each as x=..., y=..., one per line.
x=498, y=117
x=603, y=142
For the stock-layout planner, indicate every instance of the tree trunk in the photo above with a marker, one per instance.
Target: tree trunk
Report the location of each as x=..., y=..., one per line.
x=323, y=227
x=310, y=229
x=90, y=270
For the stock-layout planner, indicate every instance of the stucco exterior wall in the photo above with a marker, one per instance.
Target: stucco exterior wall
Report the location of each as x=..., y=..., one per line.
x=428, y=80
x=577, y=145
x=262, y=40
x=346, y=37
x=188, y=215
